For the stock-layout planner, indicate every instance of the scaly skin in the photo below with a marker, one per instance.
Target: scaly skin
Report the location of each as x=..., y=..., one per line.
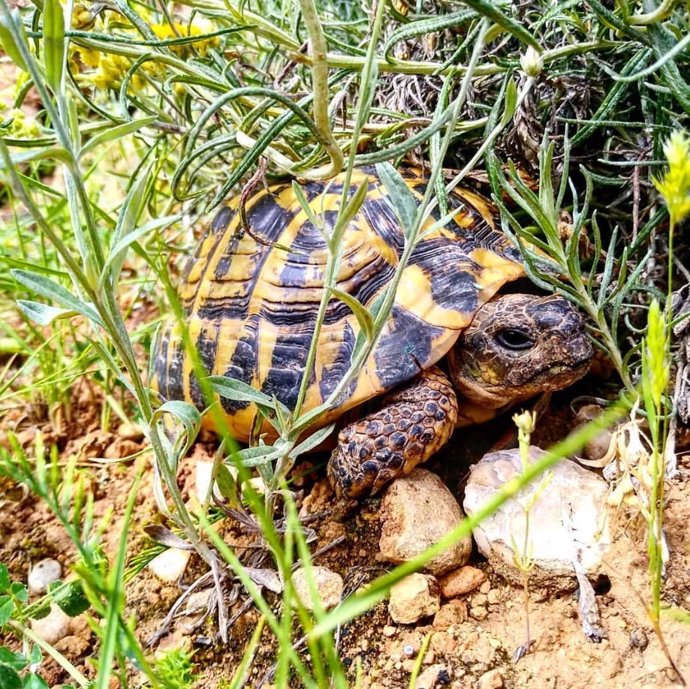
x=412, y=425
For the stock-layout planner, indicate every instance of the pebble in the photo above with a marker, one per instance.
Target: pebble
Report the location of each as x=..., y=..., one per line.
x=329, y=586
x=43, y=574
x=490, y=680
x=479, y=600
x=434, y=676
x=170, y=565
x=638, y=639
x=130, y=431
x=485, y=587
x=449, y=615
x=389, y=630
x=493, y=597
x=73, y=646
x=414, y=597
x=197, y=602
x=53, y=627
x=568, y=516
x=461, y=581
x=418, y=510
x=479, y=613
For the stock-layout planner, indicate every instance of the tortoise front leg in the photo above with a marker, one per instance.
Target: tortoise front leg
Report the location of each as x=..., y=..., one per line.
x=412, y=424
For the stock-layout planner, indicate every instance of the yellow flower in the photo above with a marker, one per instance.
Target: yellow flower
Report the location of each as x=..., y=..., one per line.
x=674, y=186
x=177, y=30
x=23, y=127
x=82, y=17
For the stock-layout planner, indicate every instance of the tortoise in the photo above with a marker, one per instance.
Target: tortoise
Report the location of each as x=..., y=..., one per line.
x=251, y=297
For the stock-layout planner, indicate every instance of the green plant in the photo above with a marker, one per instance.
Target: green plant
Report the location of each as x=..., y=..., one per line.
x=175, y=669
x=522, y=553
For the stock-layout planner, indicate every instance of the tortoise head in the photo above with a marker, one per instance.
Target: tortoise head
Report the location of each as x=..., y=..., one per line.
x=517, y=346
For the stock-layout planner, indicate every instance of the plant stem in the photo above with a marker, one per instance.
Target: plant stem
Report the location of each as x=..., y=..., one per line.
x=319, y=72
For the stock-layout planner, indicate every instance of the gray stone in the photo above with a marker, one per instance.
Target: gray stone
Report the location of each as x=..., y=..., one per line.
x=418, y=510
x=568, y=520
x=43, y=574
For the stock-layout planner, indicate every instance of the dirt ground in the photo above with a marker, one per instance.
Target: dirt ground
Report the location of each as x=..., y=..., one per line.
x=466, y=650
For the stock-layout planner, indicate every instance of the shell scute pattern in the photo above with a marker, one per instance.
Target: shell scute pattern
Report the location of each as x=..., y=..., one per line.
x=252, y=297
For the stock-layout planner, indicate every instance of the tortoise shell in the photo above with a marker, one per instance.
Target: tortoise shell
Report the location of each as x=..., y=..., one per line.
x=251, y=298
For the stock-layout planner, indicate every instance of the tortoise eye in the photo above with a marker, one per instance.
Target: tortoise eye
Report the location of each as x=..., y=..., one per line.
x=514, y=340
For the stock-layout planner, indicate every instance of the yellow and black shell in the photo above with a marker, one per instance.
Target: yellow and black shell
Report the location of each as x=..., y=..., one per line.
x=252, y=297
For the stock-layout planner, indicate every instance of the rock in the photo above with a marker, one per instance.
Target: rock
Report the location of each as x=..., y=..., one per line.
x=73, y=646
x=434, y=676
x=414, y=597
x=170, y=565
x=477, y=612
x=568, y=520
x=418, y=510
x=490, y=680
x=461, y=581
x=130, y=431
x=197, y=602
x=53, y=627
x=328, y=584
x=449, y=615
x=43, y=574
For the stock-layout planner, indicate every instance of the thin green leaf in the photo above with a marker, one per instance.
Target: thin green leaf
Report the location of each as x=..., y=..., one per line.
x=53, y=43
x=118, y=252
x=401, y=197
x=313, y=441
x=43, y=314
x=7, y=40
x=255, y=456
x=116, y=133
x=366, y=322
x=232, y=389
x=52, y=290
x=490, y=10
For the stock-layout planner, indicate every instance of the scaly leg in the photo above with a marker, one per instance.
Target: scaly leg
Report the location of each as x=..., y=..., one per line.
x=413, y=424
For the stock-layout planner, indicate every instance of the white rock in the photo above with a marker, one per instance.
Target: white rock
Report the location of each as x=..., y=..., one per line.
x=43, y=574
x=568, y=521
x=170, y=565
x=418, y=510
x=414, y=597
x=53, y=627
x=329, y=586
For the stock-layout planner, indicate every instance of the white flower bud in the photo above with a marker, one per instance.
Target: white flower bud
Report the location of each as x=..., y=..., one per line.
x=531, y=62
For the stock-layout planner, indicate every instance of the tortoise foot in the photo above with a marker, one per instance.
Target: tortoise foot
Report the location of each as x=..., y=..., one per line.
x=412, y=425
